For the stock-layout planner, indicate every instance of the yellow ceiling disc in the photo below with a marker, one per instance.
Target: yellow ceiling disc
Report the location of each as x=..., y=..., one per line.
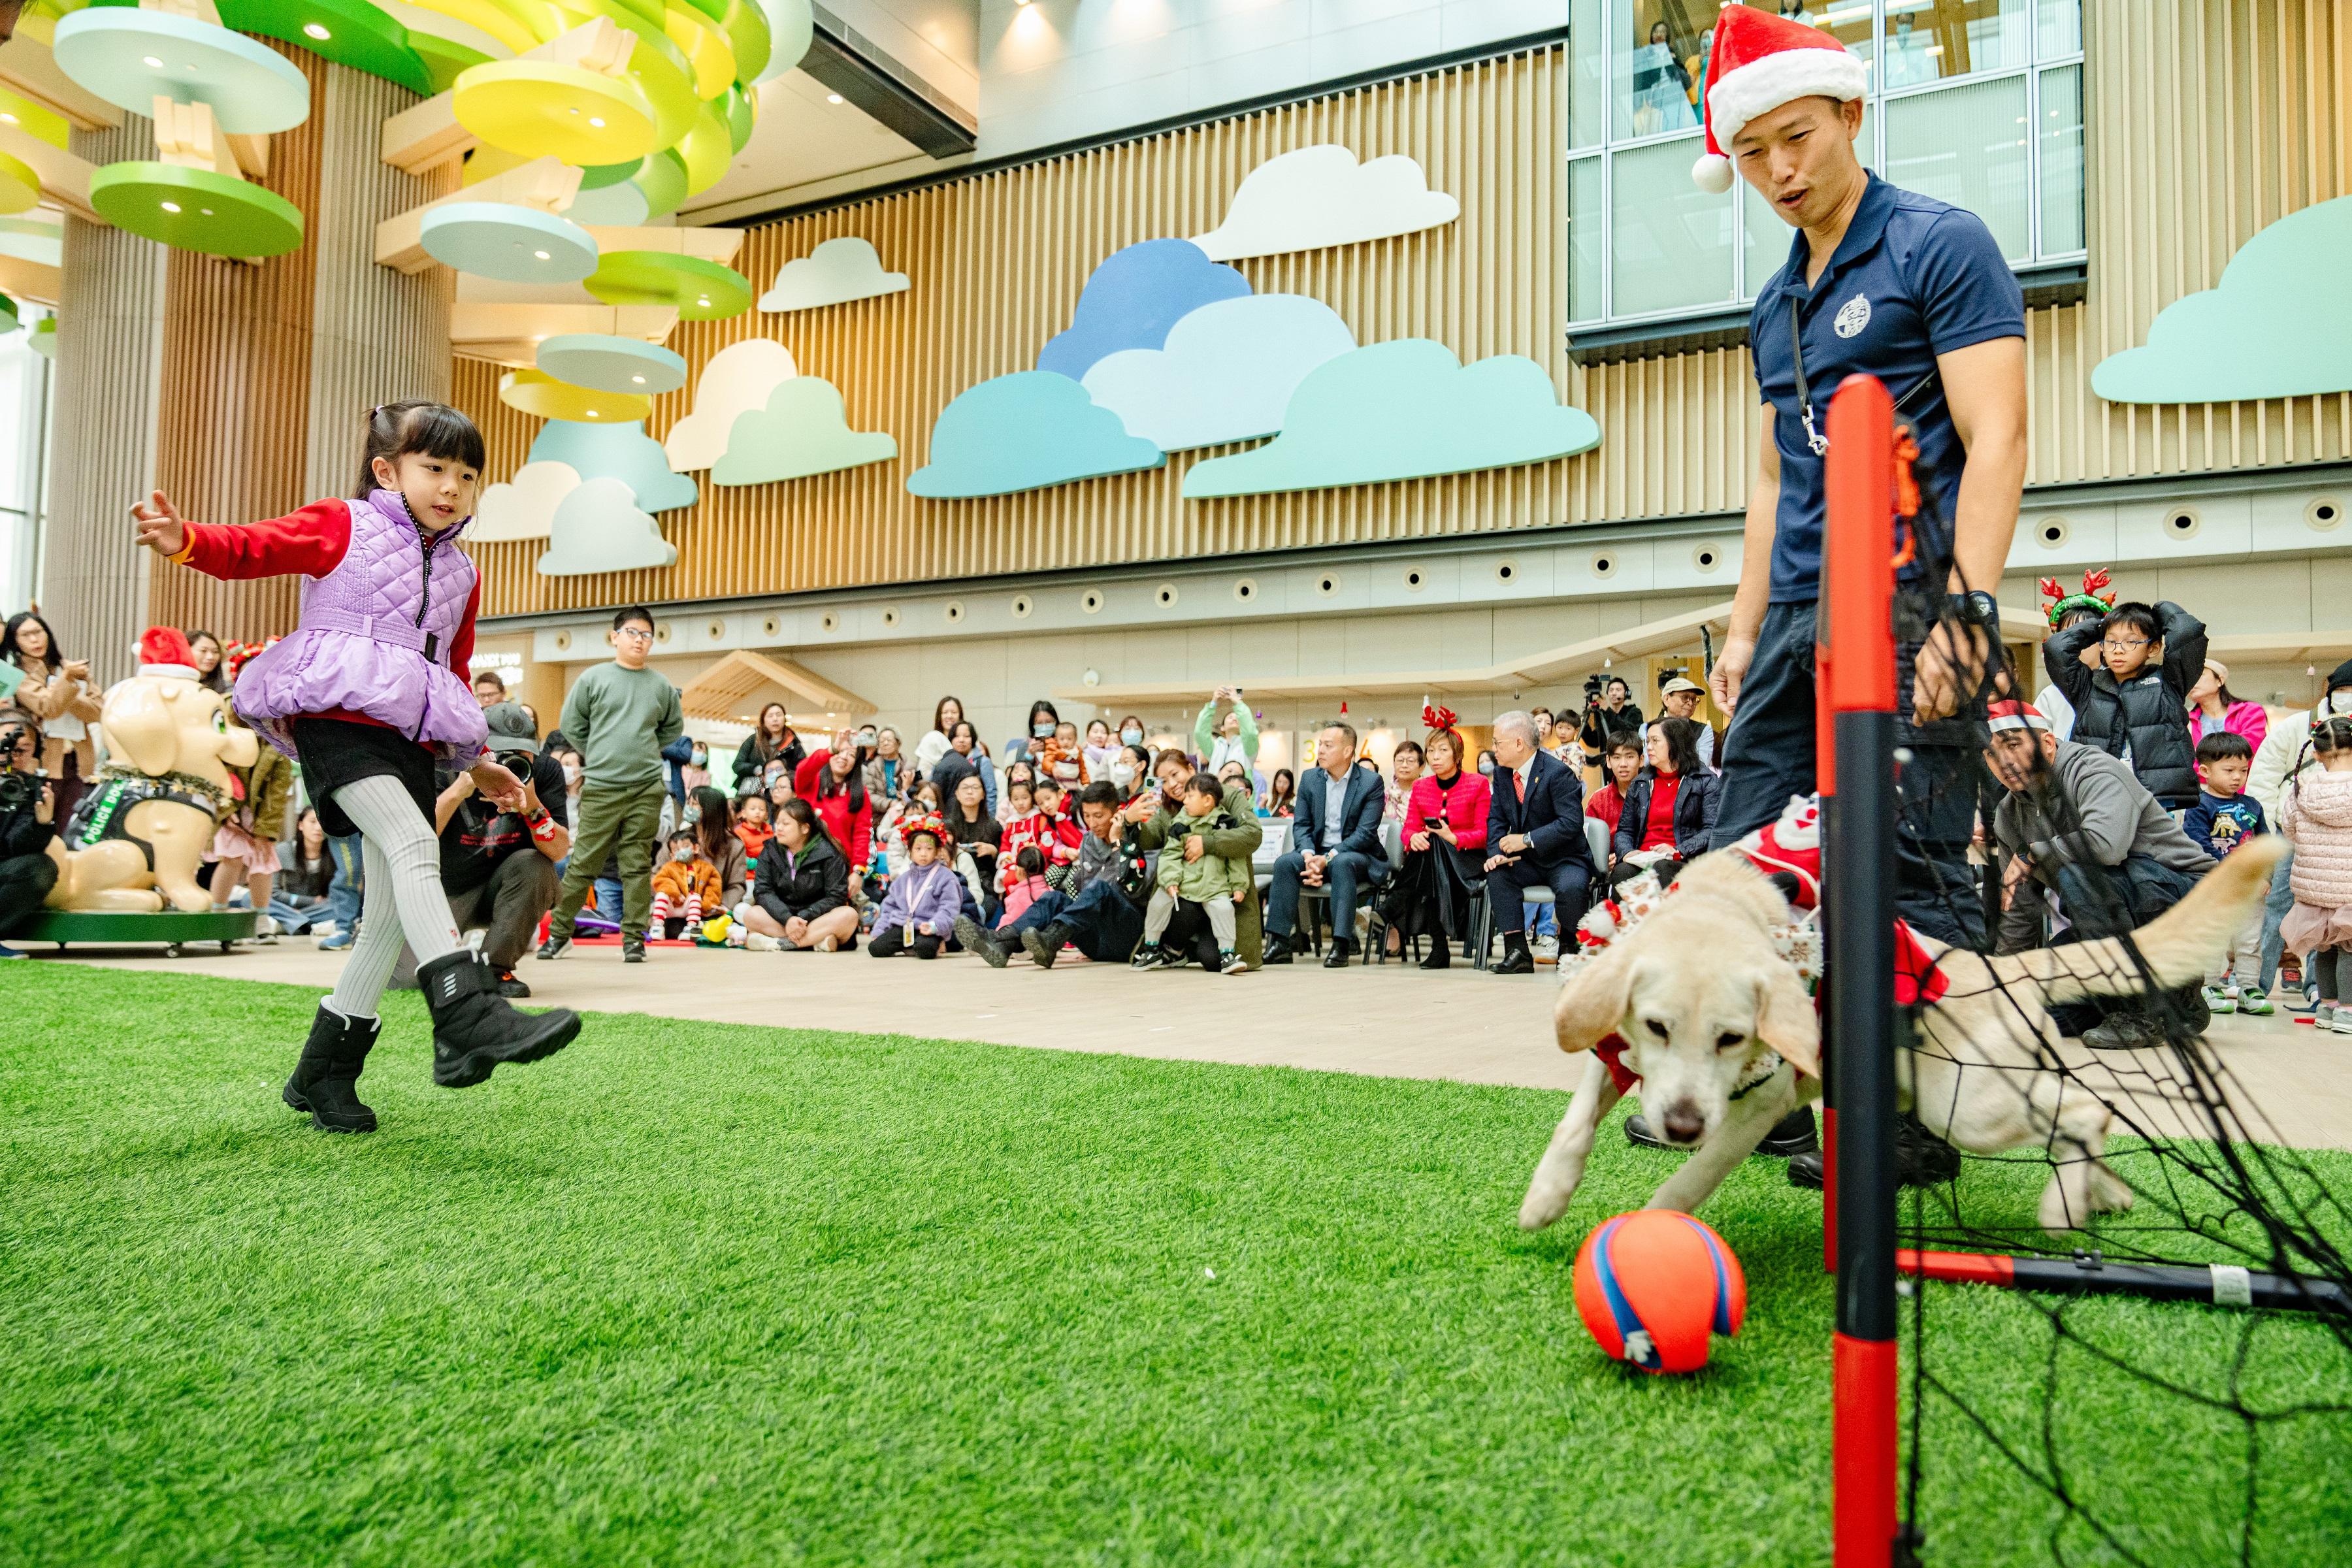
x=20, y=187
x=661, y=72
x=707, y=148
x=542, y=109
x=535, y=392
x=705, y=46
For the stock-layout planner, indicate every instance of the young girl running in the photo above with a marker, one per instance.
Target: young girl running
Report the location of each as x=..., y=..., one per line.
x=371, y=690
x=2318, y=821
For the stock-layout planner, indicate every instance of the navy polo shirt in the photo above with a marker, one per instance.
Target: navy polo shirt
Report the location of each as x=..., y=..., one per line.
x=1913, y=278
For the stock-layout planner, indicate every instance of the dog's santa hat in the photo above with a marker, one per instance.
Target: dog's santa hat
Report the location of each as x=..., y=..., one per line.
x=2012, y=714
x=164, y=650
x=1758, y=62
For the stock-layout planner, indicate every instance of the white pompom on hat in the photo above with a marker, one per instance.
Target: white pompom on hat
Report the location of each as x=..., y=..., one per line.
x=1758, y=62
x=164, y=650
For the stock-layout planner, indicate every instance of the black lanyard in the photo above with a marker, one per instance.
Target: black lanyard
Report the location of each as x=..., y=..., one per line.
x=1813, y=437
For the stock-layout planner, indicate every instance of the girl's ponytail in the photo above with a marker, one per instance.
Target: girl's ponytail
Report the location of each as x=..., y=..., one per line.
x=417, y=425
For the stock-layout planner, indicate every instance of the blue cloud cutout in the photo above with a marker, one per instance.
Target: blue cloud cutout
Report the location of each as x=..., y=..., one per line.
x=1403, y=410
x=616, y=451
x=1024, y=432
x=1132, y=300
x=2279, y=325
x=1226, y=374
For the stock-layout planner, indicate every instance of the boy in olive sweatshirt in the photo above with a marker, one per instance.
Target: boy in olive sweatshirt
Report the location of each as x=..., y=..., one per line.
x=619, y=716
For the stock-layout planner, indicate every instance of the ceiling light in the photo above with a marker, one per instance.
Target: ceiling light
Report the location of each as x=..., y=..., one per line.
x=598, y=123
x=541, y=254
x=703, y=301
x=312, y=30
x=832, y=98
x=592, y=414
x=171, y=206
x=151, y=61
x=638, y=379
x=11, y=120
x=206, y=211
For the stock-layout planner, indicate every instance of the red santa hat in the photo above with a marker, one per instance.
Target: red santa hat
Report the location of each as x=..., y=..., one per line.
x=2012, y=714
x=1758, y=62
x=164, y=650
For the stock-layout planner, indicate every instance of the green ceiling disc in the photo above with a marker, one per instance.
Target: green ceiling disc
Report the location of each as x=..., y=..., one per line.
x=349, y=31
x=741, y=109
x=663, y=180
x=512, y=243
x=596, y=176
x=44, y=337
x=747, y=24
x=20, y=187
x=698, y=291
x=443, y=59
x=707, y=149
x=606, y=364
x=129, y=57
x=714, y=9
x=9, y=322
x=195, y=209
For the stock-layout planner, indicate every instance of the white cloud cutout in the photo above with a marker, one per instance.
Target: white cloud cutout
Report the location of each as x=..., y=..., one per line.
x=737, y=380
x=1321, y=196
x=599, y=527
x=834, y=273
x=1226, y=374
x=523, y=507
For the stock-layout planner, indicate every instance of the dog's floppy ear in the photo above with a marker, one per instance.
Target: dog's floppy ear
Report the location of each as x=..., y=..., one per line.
x=1593, y=1005
x=1785, y=1019
x=139, y=726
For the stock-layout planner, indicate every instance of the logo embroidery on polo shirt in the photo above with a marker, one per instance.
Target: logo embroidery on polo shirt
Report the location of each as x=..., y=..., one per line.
x=1852, y=316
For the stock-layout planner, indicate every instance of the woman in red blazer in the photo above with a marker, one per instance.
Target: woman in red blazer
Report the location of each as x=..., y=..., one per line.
x=1444, y=846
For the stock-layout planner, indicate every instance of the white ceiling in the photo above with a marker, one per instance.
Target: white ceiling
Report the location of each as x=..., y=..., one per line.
x=801, y=138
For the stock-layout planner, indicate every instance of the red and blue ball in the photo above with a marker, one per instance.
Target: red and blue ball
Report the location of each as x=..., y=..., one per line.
x=1654, y=1286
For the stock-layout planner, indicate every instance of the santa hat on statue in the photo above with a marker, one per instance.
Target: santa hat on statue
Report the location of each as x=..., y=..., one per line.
x=2012, y=714
x=164, y=650
x=1758, y=62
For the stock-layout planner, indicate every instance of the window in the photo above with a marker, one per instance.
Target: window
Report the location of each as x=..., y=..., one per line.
x=24, y=478
x=1977, y=102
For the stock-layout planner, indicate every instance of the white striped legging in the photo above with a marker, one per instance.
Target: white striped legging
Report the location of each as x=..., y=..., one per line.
x=402, y=902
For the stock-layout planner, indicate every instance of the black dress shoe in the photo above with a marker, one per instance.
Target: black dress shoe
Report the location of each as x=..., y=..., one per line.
x=1277, y=949
x=1337, y=957
x=1516, y=960
x=1440, y=956
x=511, y=987
x=1921, y=1159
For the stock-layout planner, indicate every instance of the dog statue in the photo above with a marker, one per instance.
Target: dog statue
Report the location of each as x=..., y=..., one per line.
x=138, y=839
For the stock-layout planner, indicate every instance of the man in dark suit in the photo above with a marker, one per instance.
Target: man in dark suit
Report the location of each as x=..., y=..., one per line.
x=1335, y=843
x=1535, y=838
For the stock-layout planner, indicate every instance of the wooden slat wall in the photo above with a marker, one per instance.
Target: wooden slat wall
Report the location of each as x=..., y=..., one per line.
x=102, y=452
x=996, y=263
x=231, y=439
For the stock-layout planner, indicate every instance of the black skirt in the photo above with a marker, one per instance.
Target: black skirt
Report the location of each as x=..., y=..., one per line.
x=336, y=751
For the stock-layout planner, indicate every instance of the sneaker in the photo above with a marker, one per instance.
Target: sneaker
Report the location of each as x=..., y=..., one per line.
x=2322, y=1013
x=633, y=949
x=1545, y=947
x=1151, y=957
x=1231, y=964
x=2342, y=1023
x=693, y=931
x=2222, y=998
x=264, y=931
x=2251, y=1001
x=508, y=986
x=7, y=952
x=554, y=947
x=2123, y=1032
x=340, y=942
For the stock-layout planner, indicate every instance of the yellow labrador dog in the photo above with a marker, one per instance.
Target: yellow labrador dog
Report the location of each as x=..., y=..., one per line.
x=1720, y=1031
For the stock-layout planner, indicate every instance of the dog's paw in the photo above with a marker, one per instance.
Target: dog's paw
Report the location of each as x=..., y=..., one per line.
x=2110, y=1193
x=1545, y=1202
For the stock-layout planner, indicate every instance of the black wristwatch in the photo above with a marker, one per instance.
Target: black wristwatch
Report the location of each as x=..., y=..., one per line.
x=1977, y=608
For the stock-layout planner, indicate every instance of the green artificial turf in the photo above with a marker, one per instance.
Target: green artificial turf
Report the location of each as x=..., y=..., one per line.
x=693, y=1293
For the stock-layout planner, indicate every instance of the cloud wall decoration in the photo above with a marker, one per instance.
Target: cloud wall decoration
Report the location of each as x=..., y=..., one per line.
x=802, y=430
x=523, y=507
x=1226, y=374
x=1133, y=298
x=834, y=273
x=1321, y=196
x=599, y=527
x=737, y=380
x=623, y=452
x=1024, y=432
x=2279, y=324
x=1403, y=410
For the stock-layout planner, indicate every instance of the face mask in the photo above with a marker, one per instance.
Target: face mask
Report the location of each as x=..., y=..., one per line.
x=1043, y=732
x=701, y=758
x=571, y=773
x=1485, y=767
x=693, y=814
x=1130, y=737
x=1122, y=774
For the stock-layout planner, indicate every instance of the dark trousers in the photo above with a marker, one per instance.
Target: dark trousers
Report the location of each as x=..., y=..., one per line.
x=889, y=942
x=25, y=882
x=1665, y=870
x=1343, y=874
x=506, y=909
x=1769, y=755
x=2110, y=901
x=1505, y=884
x=1102, y=922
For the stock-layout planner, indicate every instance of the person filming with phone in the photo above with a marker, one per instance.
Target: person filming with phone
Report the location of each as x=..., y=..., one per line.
x=28, y=810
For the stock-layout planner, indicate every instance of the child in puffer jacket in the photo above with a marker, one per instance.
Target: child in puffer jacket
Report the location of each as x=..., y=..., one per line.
x=1055, y=836
x=2317, y=820
x=1028, y=883
x=924, y=900
x=685, y=887
x=1211, y=881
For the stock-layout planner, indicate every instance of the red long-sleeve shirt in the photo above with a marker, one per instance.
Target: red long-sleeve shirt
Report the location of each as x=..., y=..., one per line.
x=310, y=542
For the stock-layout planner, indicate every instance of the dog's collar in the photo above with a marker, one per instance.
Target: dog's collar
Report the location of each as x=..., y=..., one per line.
x=1762, y=1072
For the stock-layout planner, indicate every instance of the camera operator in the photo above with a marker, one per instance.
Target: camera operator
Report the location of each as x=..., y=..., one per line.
x=1609, y=714
x=28, y=805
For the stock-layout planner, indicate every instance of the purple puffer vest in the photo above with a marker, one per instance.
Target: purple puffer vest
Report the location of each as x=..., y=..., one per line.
x=375, y=638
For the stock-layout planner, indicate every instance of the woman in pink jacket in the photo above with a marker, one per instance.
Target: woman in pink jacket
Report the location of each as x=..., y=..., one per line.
x=2213, y=706
x=1444, y=845
x=2317, y=820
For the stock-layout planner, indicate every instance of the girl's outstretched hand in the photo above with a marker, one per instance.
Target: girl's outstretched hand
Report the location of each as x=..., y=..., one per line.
x=161, y=529
x=493, y=780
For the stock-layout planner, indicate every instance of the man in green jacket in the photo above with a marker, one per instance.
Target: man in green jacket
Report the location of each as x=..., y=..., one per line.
x=1155, y=820
x=620, y=716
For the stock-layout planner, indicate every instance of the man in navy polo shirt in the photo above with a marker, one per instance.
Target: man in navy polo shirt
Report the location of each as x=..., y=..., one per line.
x=1915, y=292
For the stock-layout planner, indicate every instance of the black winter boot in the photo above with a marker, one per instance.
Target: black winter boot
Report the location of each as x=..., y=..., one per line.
x=326, y=1080
x=1045, y=946
x=475, y=1028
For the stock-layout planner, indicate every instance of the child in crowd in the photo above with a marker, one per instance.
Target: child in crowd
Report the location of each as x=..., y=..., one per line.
x=2224, y=817
x=684, y=887
x=2318, y=820
x=752, y=825
x=368, y=693
x=1100, y=750
x=245, y=846
x=1208, y=881
x=1624, y=762
x=2128, y=676
x=1027, y=872
x=924, y=900
x=1055, y=836
x=1061, y=760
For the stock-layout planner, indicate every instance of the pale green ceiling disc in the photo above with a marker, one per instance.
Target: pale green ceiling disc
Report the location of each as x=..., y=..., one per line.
x=607, y=364
x=512, y=243
x=128, y=57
